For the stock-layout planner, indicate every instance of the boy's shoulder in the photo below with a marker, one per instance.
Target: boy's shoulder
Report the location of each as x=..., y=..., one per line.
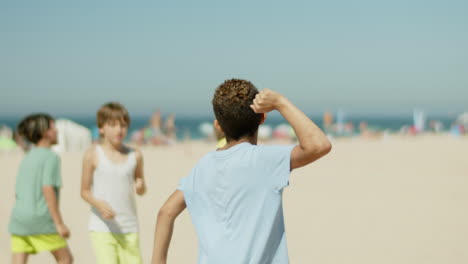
x=90, y=155
x=127, y=150
x=37, y=156
x=44, y=153
x=274, y=149
x=137, y=151
x=272, y=154
x=91, y=151
x=134, y=149
x=205, y=158
x=264, y=152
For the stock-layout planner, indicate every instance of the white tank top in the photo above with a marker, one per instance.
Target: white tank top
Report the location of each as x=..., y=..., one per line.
x=113, y=183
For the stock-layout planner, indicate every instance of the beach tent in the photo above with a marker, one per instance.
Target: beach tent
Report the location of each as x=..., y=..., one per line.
x=71, y=136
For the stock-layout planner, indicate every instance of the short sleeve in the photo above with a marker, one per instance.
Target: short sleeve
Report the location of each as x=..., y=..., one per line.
x=279, y=165
x=51, y=172
x=185, y=183
x=182, y=184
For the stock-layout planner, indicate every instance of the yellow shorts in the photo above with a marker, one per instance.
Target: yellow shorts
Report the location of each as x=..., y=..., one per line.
x=37, y=243
x=111, y=248
x=221, y=143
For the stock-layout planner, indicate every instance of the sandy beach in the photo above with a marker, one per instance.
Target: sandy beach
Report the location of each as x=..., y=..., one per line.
x=394, y=200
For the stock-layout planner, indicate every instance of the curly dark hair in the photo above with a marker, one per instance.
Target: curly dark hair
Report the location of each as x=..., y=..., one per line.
x=231, y=106
x=34, y=126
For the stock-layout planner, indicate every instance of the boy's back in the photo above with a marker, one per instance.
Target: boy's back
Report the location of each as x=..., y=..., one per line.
x=31, y=215
x=235, y=194
x=235, y=199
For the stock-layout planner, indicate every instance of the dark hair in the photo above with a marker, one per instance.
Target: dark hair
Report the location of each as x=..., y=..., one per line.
x=111, y=112
x=34, y=126
x=231, y=106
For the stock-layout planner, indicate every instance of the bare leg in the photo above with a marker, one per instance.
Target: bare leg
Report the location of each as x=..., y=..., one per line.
x=63, y=256
x=20, y=258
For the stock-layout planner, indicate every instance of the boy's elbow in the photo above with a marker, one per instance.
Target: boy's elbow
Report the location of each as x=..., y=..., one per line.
x=319, y=150
x=84, y=194
x=322, y=150
x=326, y=147
x=322, y=147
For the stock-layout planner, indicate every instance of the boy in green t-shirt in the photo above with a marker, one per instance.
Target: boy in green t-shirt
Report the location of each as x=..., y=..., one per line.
x=36, y=223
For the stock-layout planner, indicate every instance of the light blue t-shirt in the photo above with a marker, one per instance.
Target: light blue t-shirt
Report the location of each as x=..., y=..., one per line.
x=234, y=197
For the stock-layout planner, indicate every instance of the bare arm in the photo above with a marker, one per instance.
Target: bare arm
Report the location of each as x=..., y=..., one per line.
x=86, y=182
x=313, y=143
x=165, y=225
x=53, y=205
x=140, y=185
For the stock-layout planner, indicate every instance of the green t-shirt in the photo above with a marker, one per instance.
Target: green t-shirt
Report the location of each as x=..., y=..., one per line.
x=30, y=215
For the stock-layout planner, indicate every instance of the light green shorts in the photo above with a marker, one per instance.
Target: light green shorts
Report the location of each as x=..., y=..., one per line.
x=36, y=243
x=111, y=248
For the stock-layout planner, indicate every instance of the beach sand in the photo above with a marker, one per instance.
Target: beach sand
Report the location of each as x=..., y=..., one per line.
x=396, y=200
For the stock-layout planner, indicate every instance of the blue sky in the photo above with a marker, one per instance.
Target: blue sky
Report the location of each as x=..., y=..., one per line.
x=68, y=57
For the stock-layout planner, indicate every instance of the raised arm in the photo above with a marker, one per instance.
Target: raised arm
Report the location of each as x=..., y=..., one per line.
x=86, y=182
x=165, y=225
x=313, y=143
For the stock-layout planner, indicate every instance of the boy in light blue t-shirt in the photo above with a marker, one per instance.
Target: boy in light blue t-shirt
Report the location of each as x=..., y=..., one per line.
x=234, y=194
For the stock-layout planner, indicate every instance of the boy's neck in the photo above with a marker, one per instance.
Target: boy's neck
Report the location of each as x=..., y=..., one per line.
x=43, y=143
x=231, y=143
x=113, y=147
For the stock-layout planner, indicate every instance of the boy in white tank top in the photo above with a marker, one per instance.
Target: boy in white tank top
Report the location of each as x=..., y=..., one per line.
x=112, y=172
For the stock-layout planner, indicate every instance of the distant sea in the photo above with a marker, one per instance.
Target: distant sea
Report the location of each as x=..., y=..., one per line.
x=191, y=125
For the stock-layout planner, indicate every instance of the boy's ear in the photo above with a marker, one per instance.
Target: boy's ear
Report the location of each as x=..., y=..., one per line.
x=217, y=126
x=101, y=131
x=263, y=118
